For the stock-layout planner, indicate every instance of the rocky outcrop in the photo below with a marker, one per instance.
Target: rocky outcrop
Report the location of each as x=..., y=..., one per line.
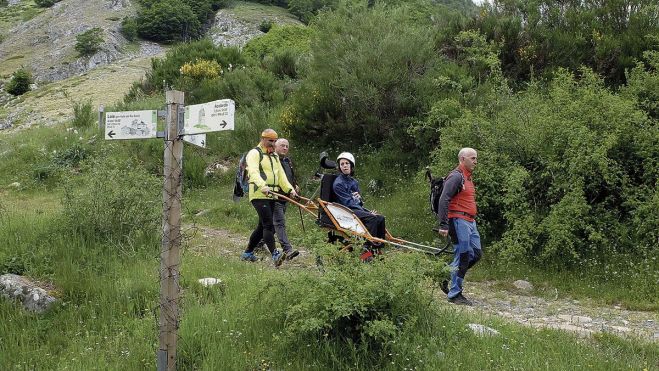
x=33, y=298
x=45, y=44
x=227, y=30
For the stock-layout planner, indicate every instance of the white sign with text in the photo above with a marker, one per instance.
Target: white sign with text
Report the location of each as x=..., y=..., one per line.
x=131, y=125
x=198, y=140
x=208, y=117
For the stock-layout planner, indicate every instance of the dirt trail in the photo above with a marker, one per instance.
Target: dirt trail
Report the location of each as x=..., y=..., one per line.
x=580, y=317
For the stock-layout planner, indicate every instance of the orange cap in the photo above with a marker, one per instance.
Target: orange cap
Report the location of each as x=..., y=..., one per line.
x=269, y=134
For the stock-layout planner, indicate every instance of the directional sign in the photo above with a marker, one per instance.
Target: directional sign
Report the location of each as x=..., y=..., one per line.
x=209, y=117
x=130, y=125
x=197, y=139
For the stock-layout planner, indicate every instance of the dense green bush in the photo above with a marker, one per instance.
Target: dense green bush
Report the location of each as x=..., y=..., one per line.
x=305, y=10
x=129, y=28
x=168, y=21
x=20, y=82
x=46, y=3
x=168, y=69
x=84, y=115
x=288, y=37
x=89, y=42
x=347, y=305
x=566, y=174
x=538, y=37
x=113, y=201
x=247, y=86
x=371, y=71
x=265, y=25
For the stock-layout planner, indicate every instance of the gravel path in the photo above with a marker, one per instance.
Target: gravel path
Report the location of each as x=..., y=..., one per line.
x=577, y=316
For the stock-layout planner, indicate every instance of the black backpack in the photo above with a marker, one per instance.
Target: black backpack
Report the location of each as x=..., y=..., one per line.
x=436, y=188
x=241, y=186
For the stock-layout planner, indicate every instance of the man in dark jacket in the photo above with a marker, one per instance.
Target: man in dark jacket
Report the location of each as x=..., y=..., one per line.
x=457, y=214
x=279, y=216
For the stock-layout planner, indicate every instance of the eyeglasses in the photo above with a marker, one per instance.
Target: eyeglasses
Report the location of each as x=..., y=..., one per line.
x=272, y=140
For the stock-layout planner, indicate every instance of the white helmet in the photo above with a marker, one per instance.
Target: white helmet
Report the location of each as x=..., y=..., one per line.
x=348, y=156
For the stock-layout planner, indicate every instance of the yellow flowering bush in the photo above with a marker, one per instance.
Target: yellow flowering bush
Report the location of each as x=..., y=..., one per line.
x=201, y=69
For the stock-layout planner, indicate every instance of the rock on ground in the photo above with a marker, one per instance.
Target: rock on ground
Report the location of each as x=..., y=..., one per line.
x=33, y=298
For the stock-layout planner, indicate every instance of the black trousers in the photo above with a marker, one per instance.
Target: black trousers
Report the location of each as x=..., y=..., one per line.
x=374, y=223
x=265, y=230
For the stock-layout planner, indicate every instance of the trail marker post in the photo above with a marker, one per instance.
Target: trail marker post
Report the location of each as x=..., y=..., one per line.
x=182, y=123
x=170, y=257
x=101, y=111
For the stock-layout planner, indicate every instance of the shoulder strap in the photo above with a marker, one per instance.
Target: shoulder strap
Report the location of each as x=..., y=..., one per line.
x=462, y=178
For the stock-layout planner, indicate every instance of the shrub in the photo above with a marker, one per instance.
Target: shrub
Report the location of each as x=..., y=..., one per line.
x=566, y=180
x=89, y=42
x=201, y=69
x=305, y=10
x=113, y=201
x=129, y=28
x=364, y=310
x=20, y=82
x=46, y=3
x=265, y=25
x=84, y=115
x=283, y=63
x=248, y=87
x=168, y=69
x=364, y=87
x=168, y=21
x=290, y=37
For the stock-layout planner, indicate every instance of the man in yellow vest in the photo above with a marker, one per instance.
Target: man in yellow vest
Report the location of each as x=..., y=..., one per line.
x=265, y=176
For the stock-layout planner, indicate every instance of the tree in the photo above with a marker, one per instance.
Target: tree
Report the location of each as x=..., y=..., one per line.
x=46, y=3
x=20, y=82
x=168, y=21
x=89, y=42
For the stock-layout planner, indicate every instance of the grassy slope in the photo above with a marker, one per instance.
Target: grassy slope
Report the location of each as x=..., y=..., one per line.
x=104, y=85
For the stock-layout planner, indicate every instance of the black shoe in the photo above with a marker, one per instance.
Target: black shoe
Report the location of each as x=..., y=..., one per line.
x=291, y=254
x=444, y=286
x=460, y=300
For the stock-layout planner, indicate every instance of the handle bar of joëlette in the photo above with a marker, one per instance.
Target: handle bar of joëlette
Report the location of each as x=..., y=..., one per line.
x=312, y=208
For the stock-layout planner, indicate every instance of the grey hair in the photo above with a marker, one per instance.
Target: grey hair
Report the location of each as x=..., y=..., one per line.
x=464, y=151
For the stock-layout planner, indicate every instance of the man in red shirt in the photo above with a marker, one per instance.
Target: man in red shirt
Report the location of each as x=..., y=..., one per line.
x=457, y=213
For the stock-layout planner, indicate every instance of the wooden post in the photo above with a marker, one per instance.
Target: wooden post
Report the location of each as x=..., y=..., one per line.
x=170, y=258
x=101, y=117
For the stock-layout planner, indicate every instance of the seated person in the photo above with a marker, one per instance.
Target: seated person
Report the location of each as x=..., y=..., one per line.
x=346, y=189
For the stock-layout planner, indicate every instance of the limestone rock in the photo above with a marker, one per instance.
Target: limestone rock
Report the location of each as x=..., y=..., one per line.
x=210, y=281
x=33, y=298
x=522, y=285
x=481, y=330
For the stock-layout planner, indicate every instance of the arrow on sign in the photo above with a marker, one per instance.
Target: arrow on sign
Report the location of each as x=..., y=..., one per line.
x=111, y=134
x=203, y=143
x=223, y=124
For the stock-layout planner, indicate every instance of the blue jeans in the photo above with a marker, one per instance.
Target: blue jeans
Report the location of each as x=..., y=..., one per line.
x=467, y=252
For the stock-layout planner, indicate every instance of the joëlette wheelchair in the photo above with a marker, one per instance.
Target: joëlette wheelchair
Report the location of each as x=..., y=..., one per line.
x=343, y=225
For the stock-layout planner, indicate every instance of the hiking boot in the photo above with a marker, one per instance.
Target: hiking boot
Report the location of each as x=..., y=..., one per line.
x=248, y=256
x=291, y=254
x=444, y=286
x=460, y=300
x=277, y=258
